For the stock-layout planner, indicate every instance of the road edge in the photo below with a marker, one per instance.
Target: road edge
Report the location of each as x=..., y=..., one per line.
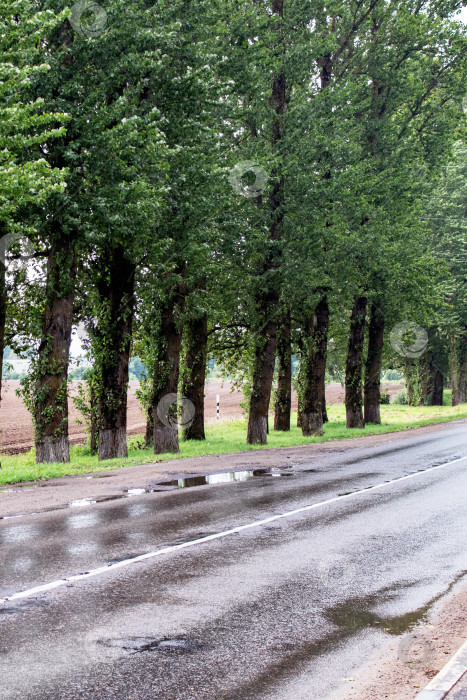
x=446, y=679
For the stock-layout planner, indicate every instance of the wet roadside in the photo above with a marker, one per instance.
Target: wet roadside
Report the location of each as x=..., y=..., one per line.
x=70, y=491
x=407, y=666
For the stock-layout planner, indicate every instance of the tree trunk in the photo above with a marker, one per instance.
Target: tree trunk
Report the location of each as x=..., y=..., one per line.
x=51, y=389
x=149, y=439
x=283, y=404
x=94, y=427
x=458, y=362
x=462, y=393
x=263, y=374
x=196, y=334
x=409, y=383
x=117, y=292
x=315, y=372
x=303, y=341
x=300, y=391
x=325, y=410
x=454, y=366
x=418, y=381
x=436, y=385
x=353, y=369
x=374, y=361
x=267, y=300
x=166, y=373
x=3, y=303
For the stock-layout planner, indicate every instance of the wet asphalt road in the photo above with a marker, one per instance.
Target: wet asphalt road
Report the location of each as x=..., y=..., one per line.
x=288, y=609
x=459, y=692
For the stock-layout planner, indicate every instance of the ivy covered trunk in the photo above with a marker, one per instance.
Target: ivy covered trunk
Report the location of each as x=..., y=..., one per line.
x=354, y=365
x=461, y=396
x=303, y=345
x=374, y=360
x=283, y=405
x=300, y=392
x=94, y=420
x=425, y=381
x=436, y=385
x=50, y=372
x=417, y=380
x=263, y=374
x=315, y=372
x=458, y=362
x=267, y=300
x=325, y=410
x=3, y=303
x=149, y=433
x=196, y=339
x=117, y=296
x=166, y=373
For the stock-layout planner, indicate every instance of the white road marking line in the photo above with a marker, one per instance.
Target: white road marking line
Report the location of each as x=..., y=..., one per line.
x=210, y=538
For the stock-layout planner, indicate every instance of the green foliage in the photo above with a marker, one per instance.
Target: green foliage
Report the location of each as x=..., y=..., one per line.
x=393, y=375
x=24, y=123
x=385, y=398
x=77, y=374
x=401, y=398
x=125, y=141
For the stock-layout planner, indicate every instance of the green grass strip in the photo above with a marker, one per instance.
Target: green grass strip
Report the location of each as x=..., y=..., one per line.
x=224, y=438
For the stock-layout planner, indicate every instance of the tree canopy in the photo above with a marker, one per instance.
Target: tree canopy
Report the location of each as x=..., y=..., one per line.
x=259, y=184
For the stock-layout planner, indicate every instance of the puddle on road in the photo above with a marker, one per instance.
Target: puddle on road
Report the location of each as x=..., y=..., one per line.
x=220, y=478
x=186, y=483
x=355, y=615
x=171, y=485
x=80, y=502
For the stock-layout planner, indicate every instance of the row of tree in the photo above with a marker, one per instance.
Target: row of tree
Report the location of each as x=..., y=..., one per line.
x=234, y=180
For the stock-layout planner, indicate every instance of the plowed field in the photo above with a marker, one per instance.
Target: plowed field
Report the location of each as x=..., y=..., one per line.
x=16, y=427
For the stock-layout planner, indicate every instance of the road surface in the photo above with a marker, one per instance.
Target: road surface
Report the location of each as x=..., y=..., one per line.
x=271, y=587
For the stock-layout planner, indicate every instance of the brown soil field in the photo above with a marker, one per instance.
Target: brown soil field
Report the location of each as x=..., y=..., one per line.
x=16, y=433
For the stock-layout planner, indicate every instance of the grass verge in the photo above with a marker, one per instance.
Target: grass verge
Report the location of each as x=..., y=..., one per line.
x=225, y=438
